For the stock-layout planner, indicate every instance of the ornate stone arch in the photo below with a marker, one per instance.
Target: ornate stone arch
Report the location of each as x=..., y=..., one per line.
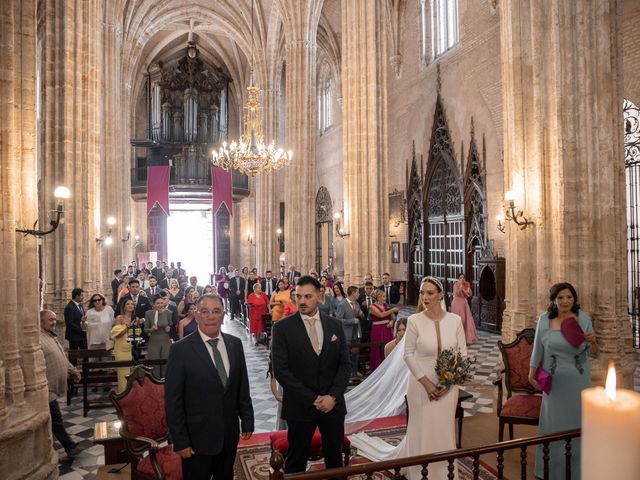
x=324, y=206
x=415, y=217
x=443, y=201
x=324, y=229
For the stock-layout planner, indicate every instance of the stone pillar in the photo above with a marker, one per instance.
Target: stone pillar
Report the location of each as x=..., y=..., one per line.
x=300, y=19
x=364, y=113
x=25, y=438
x=70, y=145
x=562, y=104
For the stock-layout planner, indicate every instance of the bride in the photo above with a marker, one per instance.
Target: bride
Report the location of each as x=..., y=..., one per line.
x=431, y=425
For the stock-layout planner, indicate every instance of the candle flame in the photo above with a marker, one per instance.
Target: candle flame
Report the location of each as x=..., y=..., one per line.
x=610, y=383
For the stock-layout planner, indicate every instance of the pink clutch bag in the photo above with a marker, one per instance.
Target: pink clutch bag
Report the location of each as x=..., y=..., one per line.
x=544, y=380
x=572, y=332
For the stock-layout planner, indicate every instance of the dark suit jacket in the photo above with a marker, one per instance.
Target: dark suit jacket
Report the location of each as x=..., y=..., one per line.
x=150, y=295
x=143, y=305
x=115, y=283
x=158, y=273
x=394, y=293
x=290, y=277
x=274, y=283
x=237, y=283
x=305, y=375
x=201, y=413
x=72, y=320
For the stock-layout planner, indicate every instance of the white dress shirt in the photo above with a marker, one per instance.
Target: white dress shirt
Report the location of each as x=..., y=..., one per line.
x=317, y=325
x=221, y=348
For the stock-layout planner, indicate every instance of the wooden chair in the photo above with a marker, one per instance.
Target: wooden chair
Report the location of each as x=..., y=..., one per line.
x=140, y=409
x=523, y=408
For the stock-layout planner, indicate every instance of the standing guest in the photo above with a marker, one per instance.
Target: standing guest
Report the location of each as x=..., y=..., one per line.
x=99, y=322
x=349, y=314
x=292, y=274
x=287, y=285
x=325, y=303
x=142, y=278
x=565, y=358
x=245, y=272
x=366, y=300
x=123, y=289
x=207, y=290
x=175, y=292
x=130, y=271
x=222, y=286
x=269, y=283
x=181, y=273
x=251, y=281
x=149, y=269
x=401, y=327
x=74, y=320
x=158, y=272
x=367, y=278
x=391, y=291
x=157, y=323
x=188, y=324
x=119, y=334
x=231, y=271
x=142, y=303
x=58, y=369
x=207, y=378
x=296, y=279
x=134, y=266
x=167, y=277
x=290, y=307
x=278, y=299
x=338, y=295
x=460, y=306
x=153, y=289
x=258, y=303
x=237, y=286
x=311, y=362
x=382, y=316
x=115, y=283
x=193, y=282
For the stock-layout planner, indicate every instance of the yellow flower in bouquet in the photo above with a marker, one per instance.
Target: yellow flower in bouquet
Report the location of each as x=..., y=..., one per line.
x=452, y=368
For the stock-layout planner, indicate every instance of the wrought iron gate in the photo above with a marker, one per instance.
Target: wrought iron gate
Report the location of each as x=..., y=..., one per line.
x=632, y=174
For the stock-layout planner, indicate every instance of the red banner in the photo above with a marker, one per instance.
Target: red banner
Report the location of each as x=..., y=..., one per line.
x=158, y=188
x=221, y=189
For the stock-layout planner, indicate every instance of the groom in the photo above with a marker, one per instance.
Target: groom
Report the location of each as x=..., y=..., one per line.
x=311, y=362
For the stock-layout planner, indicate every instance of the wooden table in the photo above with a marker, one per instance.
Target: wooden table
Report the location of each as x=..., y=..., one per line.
x=107, y=434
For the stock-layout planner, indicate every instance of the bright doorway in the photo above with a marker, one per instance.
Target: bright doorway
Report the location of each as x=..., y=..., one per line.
x=190, y=240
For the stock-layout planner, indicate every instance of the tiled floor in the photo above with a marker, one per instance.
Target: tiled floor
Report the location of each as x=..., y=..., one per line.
x=86, y=464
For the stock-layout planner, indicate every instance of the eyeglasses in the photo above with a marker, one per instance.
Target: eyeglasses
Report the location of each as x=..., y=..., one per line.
x=94, y=300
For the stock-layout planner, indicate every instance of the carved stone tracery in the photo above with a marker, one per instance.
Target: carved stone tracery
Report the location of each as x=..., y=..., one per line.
x=324, y=206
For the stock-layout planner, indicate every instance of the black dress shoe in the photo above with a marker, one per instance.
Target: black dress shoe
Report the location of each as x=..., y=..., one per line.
x=73, y=451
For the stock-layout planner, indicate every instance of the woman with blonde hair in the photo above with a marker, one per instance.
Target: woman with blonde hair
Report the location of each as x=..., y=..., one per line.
x=121, y=347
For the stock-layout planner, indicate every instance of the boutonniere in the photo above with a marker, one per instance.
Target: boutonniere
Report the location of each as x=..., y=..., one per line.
x=334, y=338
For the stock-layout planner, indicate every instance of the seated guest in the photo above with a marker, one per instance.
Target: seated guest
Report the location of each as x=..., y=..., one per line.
x=207, y=289
x=58, y=369
x=99, y=322
x=187, y=300
x=157, y=323
x=258, y=303
x=189, y=323
x=401, y=327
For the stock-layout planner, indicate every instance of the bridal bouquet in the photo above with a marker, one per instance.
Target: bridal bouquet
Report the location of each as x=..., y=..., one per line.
x=452, y=368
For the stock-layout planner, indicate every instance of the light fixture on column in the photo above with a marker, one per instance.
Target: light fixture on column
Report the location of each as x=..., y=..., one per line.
x=501, y=226
x=339, y=223
x=250, y=239
x=137, y=242
x=61, y=193
x=128, y=230
x=249, y=154
x=106, y=236
x=511, y=215
x=280, y=235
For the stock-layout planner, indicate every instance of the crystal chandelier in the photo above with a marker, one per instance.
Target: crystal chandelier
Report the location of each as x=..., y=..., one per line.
x=249, y=154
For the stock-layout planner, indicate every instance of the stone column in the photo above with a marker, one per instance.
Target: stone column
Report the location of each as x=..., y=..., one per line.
x=300, y=19
x=25, y=438
x=562, y=97
x=364, y=113
x=70, y=141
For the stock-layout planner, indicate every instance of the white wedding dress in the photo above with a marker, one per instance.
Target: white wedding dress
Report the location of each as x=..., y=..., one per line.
x=431, y=427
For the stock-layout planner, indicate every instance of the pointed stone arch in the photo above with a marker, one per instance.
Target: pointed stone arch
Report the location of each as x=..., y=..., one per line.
x=415, y=218
x=324, y=229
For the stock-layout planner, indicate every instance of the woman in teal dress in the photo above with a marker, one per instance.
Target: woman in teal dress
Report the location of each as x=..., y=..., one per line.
x=569, y=368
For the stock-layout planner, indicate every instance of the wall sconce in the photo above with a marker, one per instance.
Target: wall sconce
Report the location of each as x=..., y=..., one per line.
x=137, y=242
x=340, y=231
x=250, y=239
x=511, y=215
x=128, y=230
x=106, y=237
x=60, y=193
x=501, y=226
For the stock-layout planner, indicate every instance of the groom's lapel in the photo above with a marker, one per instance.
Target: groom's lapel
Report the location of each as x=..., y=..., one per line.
x=304, y=335
x=327, y=334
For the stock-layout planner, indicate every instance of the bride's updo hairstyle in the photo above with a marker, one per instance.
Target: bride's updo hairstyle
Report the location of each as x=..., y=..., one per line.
x=433, y=281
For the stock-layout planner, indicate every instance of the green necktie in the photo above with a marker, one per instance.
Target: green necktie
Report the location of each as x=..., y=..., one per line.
x=217, y=359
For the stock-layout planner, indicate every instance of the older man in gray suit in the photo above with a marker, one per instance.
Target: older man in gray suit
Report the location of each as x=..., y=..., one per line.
x=350, y=314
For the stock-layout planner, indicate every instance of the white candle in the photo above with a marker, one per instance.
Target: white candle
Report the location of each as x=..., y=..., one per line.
x=610, y=432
